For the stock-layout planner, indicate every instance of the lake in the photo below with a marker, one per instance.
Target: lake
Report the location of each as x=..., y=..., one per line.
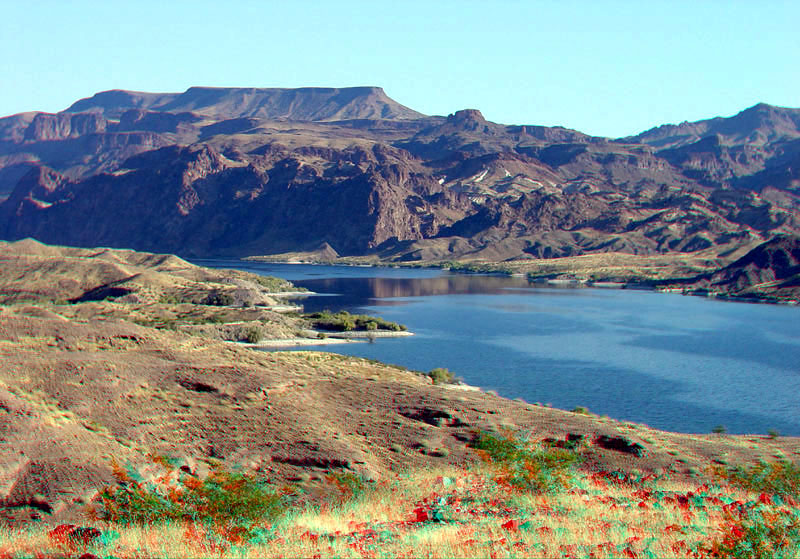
x=673, y=362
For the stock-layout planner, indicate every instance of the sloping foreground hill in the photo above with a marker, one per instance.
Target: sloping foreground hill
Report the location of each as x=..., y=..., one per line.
x=82, y=386
x=36, y=273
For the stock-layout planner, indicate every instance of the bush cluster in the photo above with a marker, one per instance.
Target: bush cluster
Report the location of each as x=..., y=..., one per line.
x=758, y=534
x=777, y=478
x=219, y=299
x=276, y=285
x=522, y=466
x=441, y=375
x=343, y=321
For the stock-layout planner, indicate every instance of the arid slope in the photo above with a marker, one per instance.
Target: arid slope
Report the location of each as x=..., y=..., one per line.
x=83, y=385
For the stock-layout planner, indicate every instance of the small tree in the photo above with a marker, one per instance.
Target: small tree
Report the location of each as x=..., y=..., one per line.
x=253, y=335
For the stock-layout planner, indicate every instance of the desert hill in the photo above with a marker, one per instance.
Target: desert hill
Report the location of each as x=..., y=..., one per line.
x=245, y=171
x=771, y=271
x=88, y=382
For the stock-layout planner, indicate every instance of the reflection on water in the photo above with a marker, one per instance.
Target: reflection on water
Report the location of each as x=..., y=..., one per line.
x=393, y=291
x=673, y=362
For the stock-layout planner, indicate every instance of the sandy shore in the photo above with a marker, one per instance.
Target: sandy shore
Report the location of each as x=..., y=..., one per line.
x=369, y=334
x=311, y=338
x=295, y=342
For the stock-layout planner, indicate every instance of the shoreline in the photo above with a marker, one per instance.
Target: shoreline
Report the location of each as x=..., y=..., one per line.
x=333, y=338
x=576, y=283
x=295, y=342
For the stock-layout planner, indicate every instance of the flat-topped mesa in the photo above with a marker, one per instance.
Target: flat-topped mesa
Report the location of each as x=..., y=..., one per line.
x=304, y=104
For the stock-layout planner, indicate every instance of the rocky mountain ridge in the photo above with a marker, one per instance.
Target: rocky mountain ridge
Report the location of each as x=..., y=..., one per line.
x=246, y=171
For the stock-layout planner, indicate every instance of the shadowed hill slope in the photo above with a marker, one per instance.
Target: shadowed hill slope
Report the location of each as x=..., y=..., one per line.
x=771, y=271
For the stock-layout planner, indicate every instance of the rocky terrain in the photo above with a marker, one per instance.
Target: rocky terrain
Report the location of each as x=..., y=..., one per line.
x=350, y=172
x=770, y=272
x=90, y=377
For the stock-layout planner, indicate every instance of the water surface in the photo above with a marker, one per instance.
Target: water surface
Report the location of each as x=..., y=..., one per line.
x=673, y=362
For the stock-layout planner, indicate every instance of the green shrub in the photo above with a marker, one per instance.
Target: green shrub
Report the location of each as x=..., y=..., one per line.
x=777, y=478
x=228, y=502
x=220, y=299
x=441, y=376
x=524, y=467
x=719, y=429
x=580, y=410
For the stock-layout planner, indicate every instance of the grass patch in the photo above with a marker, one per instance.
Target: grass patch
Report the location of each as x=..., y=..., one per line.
x=349, y=485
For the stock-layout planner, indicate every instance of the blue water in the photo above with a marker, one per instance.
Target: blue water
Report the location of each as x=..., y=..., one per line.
x=673, y=362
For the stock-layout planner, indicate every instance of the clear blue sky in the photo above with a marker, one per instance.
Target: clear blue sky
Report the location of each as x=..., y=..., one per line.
x=608, y=68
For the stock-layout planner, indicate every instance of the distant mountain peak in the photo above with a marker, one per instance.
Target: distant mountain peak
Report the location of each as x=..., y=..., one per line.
x=769, y=122
x=467, y=115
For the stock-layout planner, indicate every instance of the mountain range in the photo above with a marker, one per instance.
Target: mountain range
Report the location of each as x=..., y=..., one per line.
x=246, y=171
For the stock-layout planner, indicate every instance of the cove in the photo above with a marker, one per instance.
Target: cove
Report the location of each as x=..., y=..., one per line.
x=673, y=362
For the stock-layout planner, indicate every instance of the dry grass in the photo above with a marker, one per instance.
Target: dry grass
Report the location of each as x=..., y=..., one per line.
x=451, y=512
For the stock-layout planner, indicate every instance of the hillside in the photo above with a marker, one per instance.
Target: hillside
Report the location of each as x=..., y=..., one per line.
x=251, y=172
x=769, y=272
x=89, y=383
